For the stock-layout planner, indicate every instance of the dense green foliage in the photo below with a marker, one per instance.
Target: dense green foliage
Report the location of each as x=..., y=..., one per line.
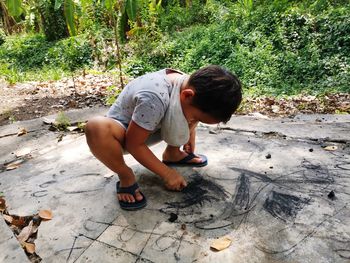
x=24, y=58
x=275, y=47
x=278, y=48
x=53, y=20
x=2, y=37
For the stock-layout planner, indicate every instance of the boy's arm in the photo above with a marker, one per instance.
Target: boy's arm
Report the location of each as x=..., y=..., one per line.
x=135, y=144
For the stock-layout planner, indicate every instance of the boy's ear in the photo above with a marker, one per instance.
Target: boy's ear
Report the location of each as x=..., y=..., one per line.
x=187, y=94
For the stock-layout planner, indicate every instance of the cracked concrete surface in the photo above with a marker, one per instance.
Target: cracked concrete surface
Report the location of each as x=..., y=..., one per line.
x=274, y=208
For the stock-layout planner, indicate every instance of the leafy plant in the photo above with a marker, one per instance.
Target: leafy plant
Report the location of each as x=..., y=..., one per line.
x=62, y=121
x=2, y=37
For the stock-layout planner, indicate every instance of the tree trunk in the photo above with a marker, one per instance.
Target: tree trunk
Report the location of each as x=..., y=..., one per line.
x=7, y=21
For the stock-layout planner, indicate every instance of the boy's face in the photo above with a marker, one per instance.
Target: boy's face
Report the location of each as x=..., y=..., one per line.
x=193, y=114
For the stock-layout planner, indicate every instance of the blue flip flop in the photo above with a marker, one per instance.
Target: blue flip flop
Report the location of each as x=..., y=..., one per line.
x=186, y=161
x=131, y=190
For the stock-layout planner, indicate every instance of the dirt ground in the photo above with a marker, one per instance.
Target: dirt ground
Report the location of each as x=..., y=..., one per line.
x=23, y=101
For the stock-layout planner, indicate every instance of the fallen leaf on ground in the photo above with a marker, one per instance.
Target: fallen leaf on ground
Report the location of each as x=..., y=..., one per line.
x=48, y=121
x=45, y=214
x=330, y=148
x=109, y=175
x=19, y=222
x=221, y=243
x=8, y=218
x=258, y=115
x=26, y=232
x=2, y=205
x=23, y=152
x=12, y=166
x=29, y=247
x=275, y=108
x=22, y=131
x=72, y=128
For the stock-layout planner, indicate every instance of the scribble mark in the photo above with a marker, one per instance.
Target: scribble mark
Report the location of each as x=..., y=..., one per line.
x=197, y=193
x=138, y=257
x=46, y=184
x=71, y=250
x=343, y=253
x=290, y=249
x=41, y=193
x=316, y=173
x=241, y=200
x=262, y=177
x=283, y=206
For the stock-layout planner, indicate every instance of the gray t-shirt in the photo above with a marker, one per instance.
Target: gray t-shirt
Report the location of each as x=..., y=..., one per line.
x=144, y=100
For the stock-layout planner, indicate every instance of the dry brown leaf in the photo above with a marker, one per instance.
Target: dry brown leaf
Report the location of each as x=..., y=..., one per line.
x=29, y=247
x=275, y=108
x=221, y=243
x=72, y=128
x=19, y=222
x=22, y=131
x=26, y=232
x=45, y=214
x=22, y=152
x=2, y=204
x=8, y=218
x=330, y=148
x=48, y=121
x=12, y=166
x=109, y=175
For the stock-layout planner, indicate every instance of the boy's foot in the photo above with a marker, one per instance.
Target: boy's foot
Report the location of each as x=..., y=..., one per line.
x=131, y=198
x=186, y=159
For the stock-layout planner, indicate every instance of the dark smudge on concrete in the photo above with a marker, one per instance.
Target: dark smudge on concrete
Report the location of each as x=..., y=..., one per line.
x=241, y=200
x=283, y=206
x=198, y=192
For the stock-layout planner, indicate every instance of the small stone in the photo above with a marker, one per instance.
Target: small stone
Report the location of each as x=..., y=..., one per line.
x=183, y=226
x=271, y=167
x=172, y=217
x=268, y=156
x=331, y=195
x=311, y=150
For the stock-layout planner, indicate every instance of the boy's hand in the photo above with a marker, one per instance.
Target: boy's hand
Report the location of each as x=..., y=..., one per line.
x=175, y=181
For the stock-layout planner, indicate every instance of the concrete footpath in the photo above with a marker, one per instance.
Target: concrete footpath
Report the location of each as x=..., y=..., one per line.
x=278, y=188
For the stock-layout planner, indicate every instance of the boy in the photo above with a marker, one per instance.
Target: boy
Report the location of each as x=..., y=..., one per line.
x=166, y=105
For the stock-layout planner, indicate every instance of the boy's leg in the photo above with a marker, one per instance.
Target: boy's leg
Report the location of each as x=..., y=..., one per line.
x=105, y=138
x=174, y=154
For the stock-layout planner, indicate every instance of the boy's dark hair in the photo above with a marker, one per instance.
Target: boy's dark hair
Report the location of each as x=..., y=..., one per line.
x=218, y=92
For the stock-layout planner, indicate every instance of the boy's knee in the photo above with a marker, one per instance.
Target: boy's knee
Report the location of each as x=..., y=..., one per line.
x=95, y=127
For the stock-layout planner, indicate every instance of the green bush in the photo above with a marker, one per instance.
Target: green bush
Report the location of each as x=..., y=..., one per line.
x=33, y=53
x=279, y=47
x=2, y=37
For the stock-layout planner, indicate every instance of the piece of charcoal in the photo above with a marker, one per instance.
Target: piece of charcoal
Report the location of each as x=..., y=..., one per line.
x=311, y=150
x=172, y=217
x=268, y=156
x=331, y=195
